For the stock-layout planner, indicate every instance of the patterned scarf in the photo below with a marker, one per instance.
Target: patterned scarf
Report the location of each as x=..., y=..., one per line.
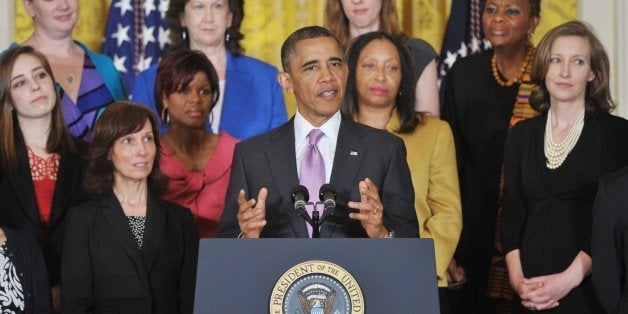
x=499, y=283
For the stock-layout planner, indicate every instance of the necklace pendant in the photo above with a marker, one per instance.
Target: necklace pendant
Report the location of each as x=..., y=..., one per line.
x=70, y=78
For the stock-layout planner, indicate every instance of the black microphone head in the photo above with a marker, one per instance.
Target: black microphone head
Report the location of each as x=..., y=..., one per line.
x=327, y=192
x=300, y=193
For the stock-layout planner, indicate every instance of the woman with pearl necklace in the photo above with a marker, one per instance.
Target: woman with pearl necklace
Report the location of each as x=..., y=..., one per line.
x=551, y=167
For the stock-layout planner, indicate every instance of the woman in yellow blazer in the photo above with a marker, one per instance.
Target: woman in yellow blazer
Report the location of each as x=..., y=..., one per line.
x=380, y=94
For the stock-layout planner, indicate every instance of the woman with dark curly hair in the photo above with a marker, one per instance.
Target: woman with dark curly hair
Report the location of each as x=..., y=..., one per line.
x=552, y=164
x=379, y=94
x=127, y=250
x=251, y=100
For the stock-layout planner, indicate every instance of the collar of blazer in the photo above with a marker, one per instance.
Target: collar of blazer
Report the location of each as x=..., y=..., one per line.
x=156, y=217
x=67, y=185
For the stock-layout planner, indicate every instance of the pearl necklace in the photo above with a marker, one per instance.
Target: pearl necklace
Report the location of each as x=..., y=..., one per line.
x=508, y=83
x=556, y=153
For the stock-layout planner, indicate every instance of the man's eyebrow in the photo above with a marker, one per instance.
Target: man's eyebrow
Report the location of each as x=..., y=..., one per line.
x=336, y=59
x=308, y=63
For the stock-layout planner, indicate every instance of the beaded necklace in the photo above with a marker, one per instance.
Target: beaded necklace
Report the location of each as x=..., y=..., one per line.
x=508, y=83
x=556, y=153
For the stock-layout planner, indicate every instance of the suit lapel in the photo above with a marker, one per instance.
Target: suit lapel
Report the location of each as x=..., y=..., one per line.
x=68, y=178
x=114, y=215
x=236, y=95
x=154, y=231
x=348, y=158
x=282, y=160
x=24, y=190
x=350, y=153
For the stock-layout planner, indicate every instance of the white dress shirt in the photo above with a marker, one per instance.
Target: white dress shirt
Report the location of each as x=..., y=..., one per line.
x=326, y=145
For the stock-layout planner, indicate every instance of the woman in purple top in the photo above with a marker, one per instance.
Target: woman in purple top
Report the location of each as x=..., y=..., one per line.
x=87, y=81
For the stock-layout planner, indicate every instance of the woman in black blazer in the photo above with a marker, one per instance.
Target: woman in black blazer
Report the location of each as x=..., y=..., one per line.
x=40, y=162
x=127, y=250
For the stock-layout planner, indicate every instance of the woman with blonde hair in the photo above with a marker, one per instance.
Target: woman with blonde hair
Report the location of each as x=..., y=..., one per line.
x=552, y=165
x=88, y=81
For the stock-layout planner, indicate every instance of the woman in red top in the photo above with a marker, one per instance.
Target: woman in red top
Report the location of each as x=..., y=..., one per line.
x=196, y=162
x=40, y=162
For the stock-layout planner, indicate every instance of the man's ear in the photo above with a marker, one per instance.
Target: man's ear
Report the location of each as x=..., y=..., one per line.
x=285, y=81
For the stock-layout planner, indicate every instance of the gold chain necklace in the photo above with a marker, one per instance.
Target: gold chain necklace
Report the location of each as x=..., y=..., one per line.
x=508, y=83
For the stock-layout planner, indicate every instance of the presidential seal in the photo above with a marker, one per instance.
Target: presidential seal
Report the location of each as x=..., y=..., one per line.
x=316, y=287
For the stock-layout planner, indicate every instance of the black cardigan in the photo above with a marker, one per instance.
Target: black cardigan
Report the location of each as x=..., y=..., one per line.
x=31, y=268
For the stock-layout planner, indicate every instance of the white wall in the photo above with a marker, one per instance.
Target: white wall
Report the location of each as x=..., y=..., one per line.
x=622, y=58
x=6, y=23
x=609, y=19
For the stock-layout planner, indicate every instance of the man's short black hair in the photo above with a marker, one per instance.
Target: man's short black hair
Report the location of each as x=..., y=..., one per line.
x=308, y=32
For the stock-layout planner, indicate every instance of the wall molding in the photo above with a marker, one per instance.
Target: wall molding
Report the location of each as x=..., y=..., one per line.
x=7, y=11
x=622, y=60
x=608, y=18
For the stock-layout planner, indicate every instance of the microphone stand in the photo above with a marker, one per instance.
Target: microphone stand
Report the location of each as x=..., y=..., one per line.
x=316, y=221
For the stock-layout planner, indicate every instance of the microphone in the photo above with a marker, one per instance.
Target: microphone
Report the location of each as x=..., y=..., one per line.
x=300, y=196
x=327, y=195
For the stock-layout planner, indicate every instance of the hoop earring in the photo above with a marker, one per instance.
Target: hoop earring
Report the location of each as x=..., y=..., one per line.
x=165, y=117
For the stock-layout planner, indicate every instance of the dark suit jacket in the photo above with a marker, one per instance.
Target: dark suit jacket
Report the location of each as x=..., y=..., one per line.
x=19, y=209
x=104, y=271
x=29, y=264
x=362, y=152
x=609, y=243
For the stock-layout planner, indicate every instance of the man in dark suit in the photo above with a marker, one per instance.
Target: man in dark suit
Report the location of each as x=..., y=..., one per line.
x=367, y=166
x=609, y=242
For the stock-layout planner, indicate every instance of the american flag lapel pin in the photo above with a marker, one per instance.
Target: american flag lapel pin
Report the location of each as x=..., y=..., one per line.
x=353, y=153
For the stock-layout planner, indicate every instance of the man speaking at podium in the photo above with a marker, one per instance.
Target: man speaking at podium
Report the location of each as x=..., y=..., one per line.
x=367, y=167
